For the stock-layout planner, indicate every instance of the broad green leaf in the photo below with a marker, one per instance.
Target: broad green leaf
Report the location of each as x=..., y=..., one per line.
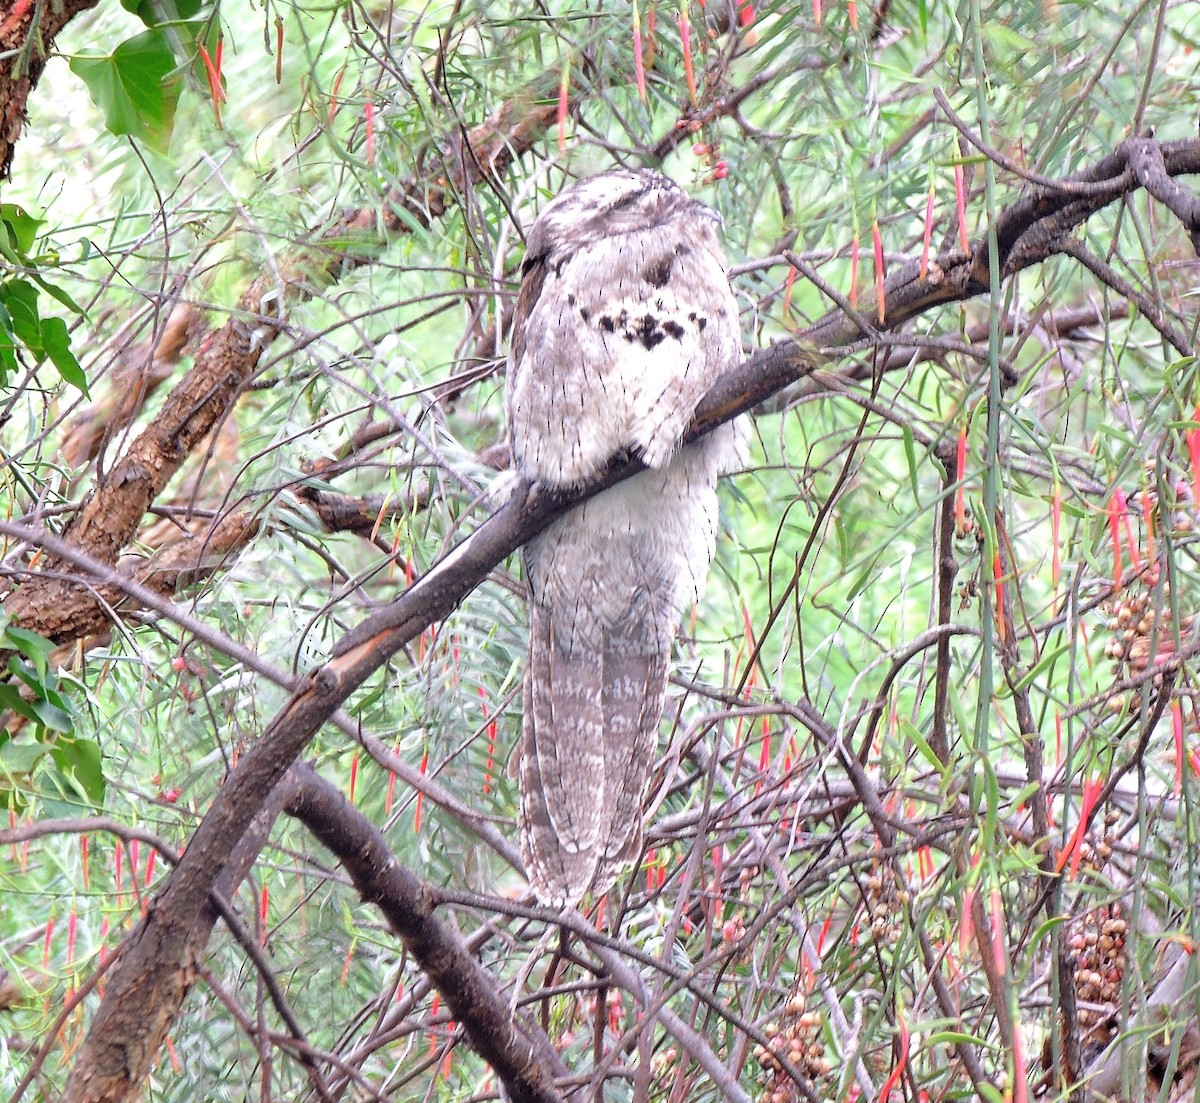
x=20, y=758
x=22, y=227
x=58, y=293
x=11, y=699
x=134, y=88
x=157, y=13
x=20, y=297
x=18, y=667
x=57, y=807
x=79, y=761
x=56, y=342
x=8, y=250
x=52, y=717
x=34, y=647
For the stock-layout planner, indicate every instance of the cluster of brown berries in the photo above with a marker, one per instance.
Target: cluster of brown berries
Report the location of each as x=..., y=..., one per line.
x=1141, y=635
x=733, y=930
x=796, y=1039
x=1095, y=849
x=1177, y=511
x=885, y=902
x=1097, y=941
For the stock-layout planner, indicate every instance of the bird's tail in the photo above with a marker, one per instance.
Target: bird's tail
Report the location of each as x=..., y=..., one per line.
x=588, y=740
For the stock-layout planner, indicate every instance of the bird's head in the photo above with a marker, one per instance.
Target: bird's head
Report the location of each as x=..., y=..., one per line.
x=619, y=201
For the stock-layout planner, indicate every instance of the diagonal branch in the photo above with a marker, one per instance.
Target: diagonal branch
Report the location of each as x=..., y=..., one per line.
x=519, y=1051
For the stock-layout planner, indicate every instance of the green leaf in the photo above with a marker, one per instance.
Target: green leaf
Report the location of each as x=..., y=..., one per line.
x=926, y=751
x=134, y=88
x=52, y=717
x=11, y=699
x=56, y=807
x=78, y=761
x=19, y=668
x=22, y=227
x=956, y=1038
x=1042, y=667
x=159, y=13
x=19, y=759
x=56, y=342
x=1004, y=40
x=34, y=647
x=20, y=297
x=58, y=293
x=1045, y=928
x=910, y=453
x=1023, y=795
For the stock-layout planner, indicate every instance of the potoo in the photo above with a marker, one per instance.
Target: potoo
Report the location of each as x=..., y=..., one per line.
x=625, y=318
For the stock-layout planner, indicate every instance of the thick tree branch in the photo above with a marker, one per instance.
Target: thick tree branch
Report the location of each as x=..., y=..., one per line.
x=1028, y=231
x=518, y=1050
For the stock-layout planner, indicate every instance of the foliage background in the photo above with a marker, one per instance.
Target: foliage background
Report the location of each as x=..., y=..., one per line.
x=1064, y=457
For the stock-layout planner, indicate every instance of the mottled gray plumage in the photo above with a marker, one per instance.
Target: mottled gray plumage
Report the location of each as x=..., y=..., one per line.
x=624, y=319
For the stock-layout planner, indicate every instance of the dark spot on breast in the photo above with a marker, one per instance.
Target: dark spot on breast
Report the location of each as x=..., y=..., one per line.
x=570, y=300
x=658, y=272
x=648, y=331
x=607, y=324
x=682, y=250
x=701, y=323
x=585, y=314
x=692, y=316
x=673, y=329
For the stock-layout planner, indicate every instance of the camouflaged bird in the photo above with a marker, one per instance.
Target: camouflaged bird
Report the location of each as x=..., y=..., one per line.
x=624, y=319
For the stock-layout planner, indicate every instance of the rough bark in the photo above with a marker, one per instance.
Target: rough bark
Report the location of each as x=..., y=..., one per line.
x=27, y=31
x=517, y=1050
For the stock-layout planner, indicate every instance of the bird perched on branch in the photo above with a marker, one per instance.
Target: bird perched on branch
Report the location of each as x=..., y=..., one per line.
x=624, y=319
